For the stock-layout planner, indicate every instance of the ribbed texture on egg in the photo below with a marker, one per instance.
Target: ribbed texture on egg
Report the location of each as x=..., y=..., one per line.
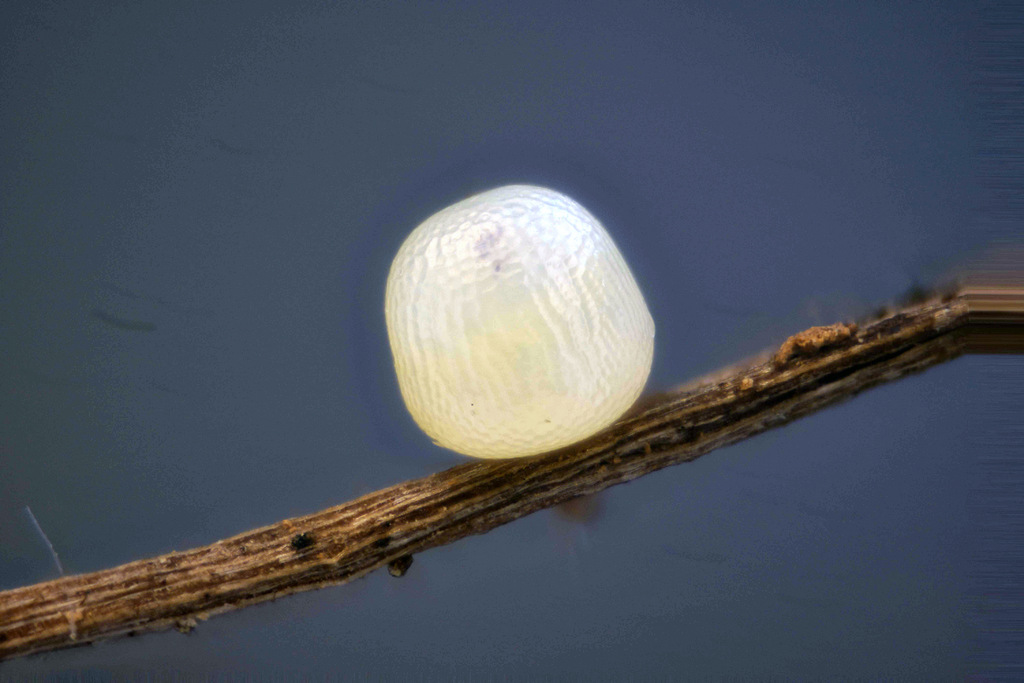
x=515, y=324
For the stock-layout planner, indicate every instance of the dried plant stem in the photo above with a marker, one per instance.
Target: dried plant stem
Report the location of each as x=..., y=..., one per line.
x=812, y=370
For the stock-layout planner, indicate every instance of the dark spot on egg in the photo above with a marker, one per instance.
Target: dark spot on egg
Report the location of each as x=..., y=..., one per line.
x=303, y=541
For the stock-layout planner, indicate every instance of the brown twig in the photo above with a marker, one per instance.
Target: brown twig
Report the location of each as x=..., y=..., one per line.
x=814, y=369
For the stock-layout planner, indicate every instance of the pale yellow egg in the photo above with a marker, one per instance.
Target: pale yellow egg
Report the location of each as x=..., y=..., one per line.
x=515, y=324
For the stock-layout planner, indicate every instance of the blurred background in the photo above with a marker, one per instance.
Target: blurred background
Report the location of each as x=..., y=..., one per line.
x=199, y=204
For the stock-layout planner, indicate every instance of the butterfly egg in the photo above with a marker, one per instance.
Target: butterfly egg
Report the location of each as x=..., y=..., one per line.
x=515, y=324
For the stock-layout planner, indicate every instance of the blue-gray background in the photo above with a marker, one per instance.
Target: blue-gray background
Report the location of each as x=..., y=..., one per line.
x=238, y=178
